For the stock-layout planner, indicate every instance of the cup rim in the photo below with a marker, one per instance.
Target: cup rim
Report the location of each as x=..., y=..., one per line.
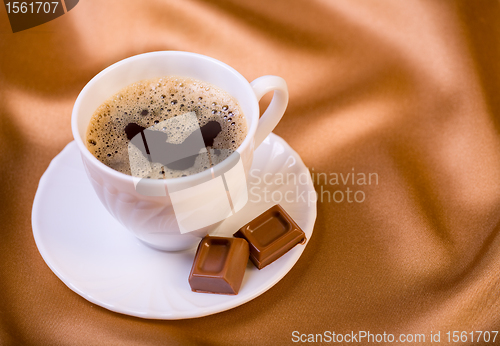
x=206, y=174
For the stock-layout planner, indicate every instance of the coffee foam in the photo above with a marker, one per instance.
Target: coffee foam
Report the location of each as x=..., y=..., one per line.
x=152, y=104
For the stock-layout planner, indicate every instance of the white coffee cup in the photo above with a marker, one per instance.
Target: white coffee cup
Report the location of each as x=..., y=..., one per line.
x=152, y=218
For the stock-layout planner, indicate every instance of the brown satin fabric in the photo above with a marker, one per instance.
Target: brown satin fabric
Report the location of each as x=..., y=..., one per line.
x=409, y=90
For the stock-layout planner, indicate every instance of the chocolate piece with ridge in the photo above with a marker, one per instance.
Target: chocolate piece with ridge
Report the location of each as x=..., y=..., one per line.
x=219, y=265
x=271, y=235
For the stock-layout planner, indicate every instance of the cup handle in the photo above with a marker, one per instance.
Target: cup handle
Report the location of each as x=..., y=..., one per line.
x=276, y=109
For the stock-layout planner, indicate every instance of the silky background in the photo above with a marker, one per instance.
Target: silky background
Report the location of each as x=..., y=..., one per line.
x=405, y=89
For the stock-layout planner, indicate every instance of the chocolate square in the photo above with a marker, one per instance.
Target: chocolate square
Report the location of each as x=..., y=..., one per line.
x=271, y=235
x=219, y=265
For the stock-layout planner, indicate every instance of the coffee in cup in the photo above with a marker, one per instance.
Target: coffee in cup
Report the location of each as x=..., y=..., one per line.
x=149, y=128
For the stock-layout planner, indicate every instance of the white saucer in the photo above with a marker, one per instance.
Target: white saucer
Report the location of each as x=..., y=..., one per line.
x=121, y=274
